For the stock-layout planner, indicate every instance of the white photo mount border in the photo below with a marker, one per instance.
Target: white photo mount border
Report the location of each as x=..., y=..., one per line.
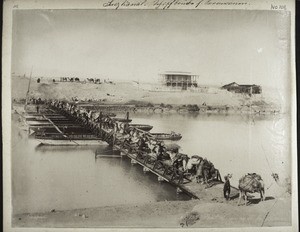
x=11, y=5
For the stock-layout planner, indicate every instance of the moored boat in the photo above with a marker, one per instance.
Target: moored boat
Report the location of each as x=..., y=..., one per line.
x=57, y=139
x=167, y=136
x=50, y=127
x=47, y=123
x=71, y=142
x=143, y=127
x=121, y=119
x=42, y=116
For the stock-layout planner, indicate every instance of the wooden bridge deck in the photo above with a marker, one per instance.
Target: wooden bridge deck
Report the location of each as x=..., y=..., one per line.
x=190, y=187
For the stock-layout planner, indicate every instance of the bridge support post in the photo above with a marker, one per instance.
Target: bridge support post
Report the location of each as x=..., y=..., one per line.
x=145, y=169
x=133, y=161
x=122, y=153
x=160, y=179
x=178, y=190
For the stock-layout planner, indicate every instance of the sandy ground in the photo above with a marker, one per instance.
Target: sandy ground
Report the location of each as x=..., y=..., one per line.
x=125, y=92
x=272, y=212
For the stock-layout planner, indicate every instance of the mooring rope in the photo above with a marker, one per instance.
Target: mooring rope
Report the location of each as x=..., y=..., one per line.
x=64, y=135
x=266, y=158
x=269, y=168
x=269, y=186
x=269, y=211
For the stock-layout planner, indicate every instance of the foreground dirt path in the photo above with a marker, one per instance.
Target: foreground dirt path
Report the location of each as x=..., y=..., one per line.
x=272, y=212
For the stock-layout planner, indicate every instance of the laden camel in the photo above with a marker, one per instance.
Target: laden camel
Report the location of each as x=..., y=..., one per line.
x=251, y=183
x=193, y=163
x=207, y=172
x=202, y=172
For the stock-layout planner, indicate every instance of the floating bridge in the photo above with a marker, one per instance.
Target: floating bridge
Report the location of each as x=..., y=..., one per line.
x=60, y=118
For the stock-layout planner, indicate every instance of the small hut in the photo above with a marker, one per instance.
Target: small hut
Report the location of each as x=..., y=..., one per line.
x=248, y=89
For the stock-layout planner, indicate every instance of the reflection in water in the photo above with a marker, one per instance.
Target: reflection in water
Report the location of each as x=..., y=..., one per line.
x=67, y=177
x=64, y=177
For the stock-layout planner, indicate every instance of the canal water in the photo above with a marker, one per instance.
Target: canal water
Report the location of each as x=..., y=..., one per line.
x=62, y=178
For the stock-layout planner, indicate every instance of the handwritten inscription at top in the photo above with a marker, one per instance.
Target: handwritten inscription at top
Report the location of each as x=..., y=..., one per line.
x=124, y=4
x=167, y=4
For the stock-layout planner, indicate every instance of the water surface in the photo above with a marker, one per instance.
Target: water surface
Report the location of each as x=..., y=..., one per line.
x=61, y=178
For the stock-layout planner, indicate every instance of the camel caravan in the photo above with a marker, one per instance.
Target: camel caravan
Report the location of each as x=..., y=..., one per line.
x=77, y=79
x=69, y=79
x=162, y=156
x=86, y=80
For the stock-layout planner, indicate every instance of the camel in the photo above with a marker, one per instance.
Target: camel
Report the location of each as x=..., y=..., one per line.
x=62, y=79
x=252, y=183
x=203, y=172
x=199, y=173
x=193, y=163
x=207, y=172
x=90, y=79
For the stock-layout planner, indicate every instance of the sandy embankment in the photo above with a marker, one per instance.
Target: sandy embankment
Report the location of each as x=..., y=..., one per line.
x=274, y=212
x=125, y=92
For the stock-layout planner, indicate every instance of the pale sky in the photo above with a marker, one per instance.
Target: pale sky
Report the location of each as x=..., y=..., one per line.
x=221, y=46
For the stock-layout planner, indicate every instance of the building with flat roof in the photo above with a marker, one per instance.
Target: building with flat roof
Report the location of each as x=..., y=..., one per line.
x=248, y=89
x=179, y=80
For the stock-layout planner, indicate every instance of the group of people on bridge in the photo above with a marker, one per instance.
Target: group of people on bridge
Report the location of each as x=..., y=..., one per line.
x=155, y=151
x=150, y=150
x=139, y=142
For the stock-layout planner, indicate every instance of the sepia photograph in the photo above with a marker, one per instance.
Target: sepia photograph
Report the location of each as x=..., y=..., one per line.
x=151, y=118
